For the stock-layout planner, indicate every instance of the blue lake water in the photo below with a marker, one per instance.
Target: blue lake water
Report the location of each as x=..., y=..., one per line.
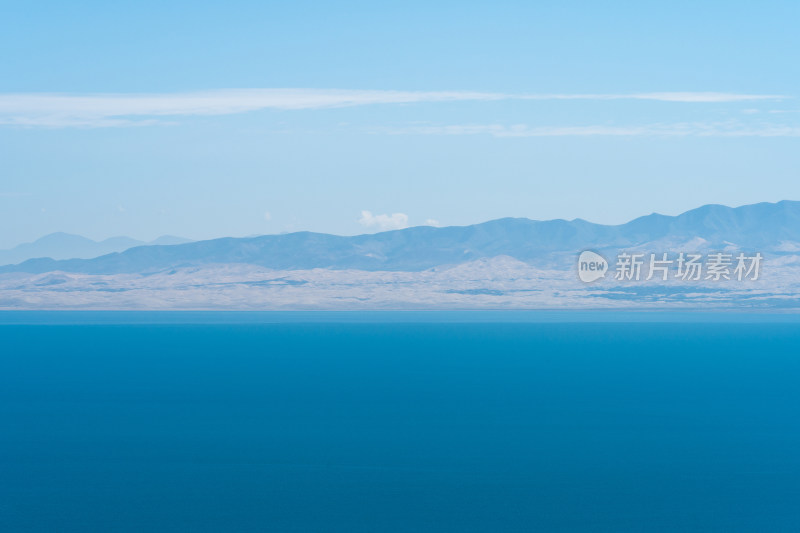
x=399, y=422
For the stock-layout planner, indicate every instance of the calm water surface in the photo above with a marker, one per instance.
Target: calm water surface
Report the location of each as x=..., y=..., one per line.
x=472, y=423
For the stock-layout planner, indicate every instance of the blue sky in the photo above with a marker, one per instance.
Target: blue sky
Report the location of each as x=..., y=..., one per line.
x=205, y=120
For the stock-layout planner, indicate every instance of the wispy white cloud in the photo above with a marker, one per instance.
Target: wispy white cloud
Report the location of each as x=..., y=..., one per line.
x=683, y=129
x=709, y=97
x=110, y=110
x=383, y=222
x=74, y=121
x=119, y=110
x=685, y=97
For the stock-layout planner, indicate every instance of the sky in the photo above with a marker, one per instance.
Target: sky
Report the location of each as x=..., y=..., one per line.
x=204, y=120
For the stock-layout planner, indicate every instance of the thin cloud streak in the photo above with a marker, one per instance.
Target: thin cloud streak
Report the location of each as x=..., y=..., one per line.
x=121, y=110
x=694, y=129
x=683, y=97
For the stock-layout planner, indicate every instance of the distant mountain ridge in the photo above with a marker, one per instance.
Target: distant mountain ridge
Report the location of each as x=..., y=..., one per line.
x=61, y=245
x=766, y=227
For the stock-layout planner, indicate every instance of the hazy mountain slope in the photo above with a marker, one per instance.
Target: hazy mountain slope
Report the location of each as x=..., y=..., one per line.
x=67, y=246
x=762, y=227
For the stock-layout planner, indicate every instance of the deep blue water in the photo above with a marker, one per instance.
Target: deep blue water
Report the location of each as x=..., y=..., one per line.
x=672, y=423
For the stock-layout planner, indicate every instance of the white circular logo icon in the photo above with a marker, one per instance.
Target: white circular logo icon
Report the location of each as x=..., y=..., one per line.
x=591, y=266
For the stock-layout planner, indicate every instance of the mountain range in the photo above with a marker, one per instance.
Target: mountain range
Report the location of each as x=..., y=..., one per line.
x=766, y=227
x=61, y=245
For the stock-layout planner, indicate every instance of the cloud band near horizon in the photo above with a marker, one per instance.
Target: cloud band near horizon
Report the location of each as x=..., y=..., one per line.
x=119, y=109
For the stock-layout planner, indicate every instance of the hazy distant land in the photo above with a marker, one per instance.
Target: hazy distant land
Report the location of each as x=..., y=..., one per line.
x=501, y=264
